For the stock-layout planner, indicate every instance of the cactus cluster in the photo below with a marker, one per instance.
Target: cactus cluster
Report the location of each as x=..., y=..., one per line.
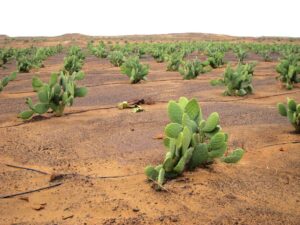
x=4, y=82
x=99, y=51
x=174, y=60
x=33, y=57
x=74, y=60
x=5, y=55
x=240, y=54
x=191, y=69
x=58, y=93
x=215, y=58
x=134, y=70
x=191, y=141
x=289, y=70
x=158, y=54
x=237, y=82
x=116, y=58
x=291, y=111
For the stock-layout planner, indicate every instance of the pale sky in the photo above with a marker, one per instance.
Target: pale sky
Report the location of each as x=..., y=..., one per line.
x=121, y=17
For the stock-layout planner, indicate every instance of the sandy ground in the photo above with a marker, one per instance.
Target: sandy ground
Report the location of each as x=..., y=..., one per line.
x=94, y=140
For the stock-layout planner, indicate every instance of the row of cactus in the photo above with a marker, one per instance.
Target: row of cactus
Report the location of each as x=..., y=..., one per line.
x=4, y=81
x=34, y=57
x=134, y=69
x=291, y=111
x=74, y=60
x=289, y=70
x=191, y=69
x=59, y=92
x=237, y=81
x=191, y=142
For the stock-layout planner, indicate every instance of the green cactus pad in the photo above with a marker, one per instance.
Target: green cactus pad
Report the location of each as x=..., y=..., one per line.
x=183, y=101
x=175, y=112
x=291, y=104
x=234, y=157
x=43, y=94
x=37, y=83
x=168, y=164
x=192, y=109
x=217, y=141
x=41, y=108
x=191, y=124
x=282, y=109
x=151, y=172
x=26, y=114
x=216, y=153
x=172, y=130
x=186, y=139
x=211, y=122
x=80, y=92
x=79, y=75
x=53, y=79
x=199, y=157
x=161, y=177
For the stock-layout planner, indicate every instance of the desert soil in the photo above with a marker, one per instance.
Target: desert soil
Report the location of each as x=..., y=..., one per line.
x=95, y=140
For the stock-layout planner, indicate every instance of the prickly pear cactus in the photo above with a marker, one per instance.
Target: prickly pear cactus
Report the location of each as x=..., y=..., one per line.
x=191, y=141
x=238, y=82
x=289, y=71
x=191, y=69
x=55, y=95
x=291, y=111
x=4, y=82
x=134, y=70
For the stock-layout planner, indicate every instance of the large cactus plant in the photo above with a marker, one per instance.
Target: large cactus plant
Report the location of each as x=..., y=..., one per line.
x=134, y=70
x=289, y=70
x=237, y=82
x=55, y=95
x=191, y=69
x=191, y=141
x=4, y=82
x=291, y=111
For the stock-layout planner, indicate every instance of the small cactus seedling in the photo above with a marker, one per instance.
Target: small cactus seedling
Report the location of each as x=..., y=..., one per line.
x=191, y=69
x=237, y=82
x=134, y=70
x=4, y=82
x=191, y=141
x=291, y=111
x=55, y=95
x=289, y=71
